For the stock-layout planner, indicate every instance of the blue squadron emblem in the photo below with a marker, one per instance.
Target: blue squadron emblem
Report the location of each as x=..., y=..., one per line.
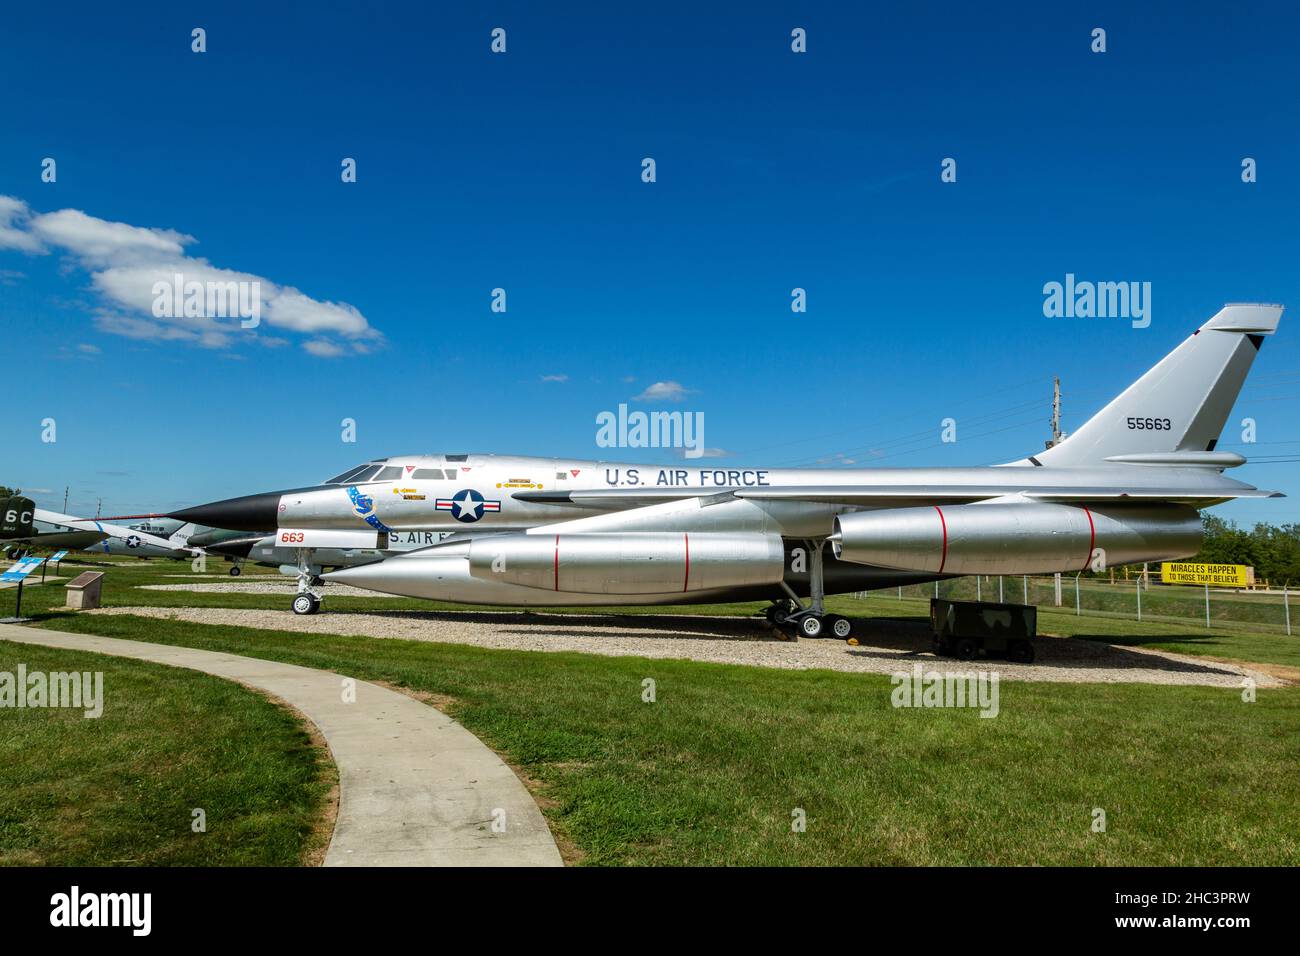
x=363, y=506
x=467, y=505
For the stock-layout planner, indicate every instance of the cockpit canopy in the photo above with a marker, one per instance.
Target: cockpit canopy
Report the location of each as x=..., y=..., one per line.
x=382, y=471
x=367, y=472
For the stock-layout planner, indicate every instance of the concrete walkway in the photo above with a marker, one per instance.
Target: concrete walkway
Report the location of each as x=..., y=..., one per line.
x=415, y=787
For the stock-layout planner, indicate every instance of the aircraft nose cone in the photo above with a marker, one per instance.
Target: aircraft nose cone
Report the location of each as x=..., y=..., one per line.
x=249, y=513
x=361, y=575
x=388, y=576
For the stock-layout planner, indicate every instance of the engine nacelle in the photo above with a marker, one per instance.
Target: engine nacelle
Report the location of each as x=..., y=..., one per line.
x=632, y=563
x=1015, y=538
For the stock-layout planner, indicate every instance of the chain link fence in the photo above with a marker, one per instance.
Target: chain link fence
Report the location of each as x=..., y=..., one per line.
x=1135, y=597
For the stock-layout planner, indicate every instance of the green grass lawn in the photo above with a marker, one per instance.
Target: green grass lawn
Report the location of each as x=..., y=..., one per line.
x=1243, y=642
x=713, y=771
x=120, y=789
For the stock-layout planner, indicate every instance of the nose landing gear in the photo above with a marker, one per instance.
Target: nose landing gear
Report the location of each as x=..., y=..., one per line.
x=306, y=601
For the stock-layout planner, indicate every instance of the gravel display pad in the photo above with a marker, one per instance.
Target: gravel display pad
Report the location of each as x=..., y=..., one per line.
x=886, y=646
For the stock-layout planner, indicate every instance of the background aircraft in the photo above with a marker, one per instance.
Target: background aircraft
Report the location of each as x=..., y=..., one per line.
x=50, y=529
x=16, y=516
x=1125, y=487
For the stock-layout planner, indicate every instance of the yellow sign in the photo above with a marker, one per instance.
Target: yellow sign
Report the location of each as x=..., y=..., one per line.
x=1218, y=575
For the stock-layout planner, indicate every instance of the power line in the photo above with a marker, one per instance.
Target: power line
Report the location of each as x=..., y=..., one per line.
x=916, y=415
x=926, y=436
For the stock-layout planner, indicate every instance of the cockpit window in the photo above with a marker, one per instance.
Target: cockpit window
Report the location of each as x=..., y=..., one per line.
x=366, y=474
x=347, y=475
x=427, y=473
x=391, y=473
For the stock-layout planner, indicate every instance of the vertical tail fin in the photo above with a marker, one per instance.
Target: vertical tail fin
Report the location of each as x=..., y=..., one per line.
x=181, y=536
x=16, y=515
x=1180, y=406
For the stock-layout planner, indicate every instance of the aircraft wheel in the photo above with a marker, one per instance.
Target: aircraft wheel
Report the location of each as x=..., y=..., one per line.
x=234, y=571
x=966, y=649
x=810, y=625
x=306, y=603
x=840, y=626
x=1022, y=652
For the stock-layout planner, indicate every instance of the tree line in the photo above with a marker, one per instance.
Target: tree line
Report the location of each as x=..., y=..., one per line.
x=1272, y=550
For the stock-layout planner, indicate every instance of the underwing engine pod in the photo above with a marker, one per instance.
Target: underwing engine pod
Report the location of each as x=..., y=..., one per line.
x=629, y=563
x=1022, y=537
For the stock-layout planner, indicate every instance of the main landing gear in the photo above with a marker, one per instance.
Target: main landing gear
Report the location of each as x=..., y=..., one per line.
x=306, y=601
x=790, y=616
x=810, y=621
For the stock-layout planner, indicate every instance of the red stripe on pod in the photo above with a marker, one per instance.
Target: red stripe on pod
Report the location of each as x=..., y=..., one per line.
x=1092, y=540
x=557, y=562
x=686, y=581
x=943, y=524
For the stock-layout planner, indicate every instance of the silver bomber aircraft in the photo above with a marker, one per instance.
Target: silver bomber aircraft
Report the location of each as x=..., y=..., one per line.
x=1125, y=487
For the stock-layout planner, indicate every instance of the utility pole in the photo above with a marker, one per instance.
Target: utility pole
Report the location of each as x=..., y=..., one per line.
x=99, y=506
x=1057, y=435
x=65, y=498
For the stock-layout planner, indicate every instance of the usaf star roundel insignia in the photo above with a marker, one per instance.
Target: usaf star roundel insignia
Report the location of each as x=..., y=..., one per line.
x=132, y=541
x=467, y=505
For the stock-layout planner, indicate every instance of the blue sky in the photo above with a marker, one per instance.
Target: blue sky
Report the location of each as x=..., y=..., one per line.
x=522, y=171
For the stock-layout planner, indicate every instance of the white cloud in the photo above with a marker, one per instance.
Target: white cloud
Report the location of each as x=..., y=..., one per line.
x=101, y=241
x=88, y=348
x=839, y=458
x=555, y=378
x=290, y=309
x=14, y=214
x=669, y=391
x=125, y=262
x=160, y=331
x=323, y=348
x=706, y=453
